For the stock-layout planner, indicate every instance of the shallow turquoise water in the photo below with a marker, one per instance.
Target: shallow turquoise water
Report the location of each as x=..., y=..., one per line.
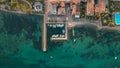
x=20, y=46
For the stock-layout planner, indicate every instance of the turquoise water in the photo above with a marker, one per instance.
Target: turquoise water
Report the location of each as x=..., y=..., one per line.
x=20, y=45
x=117, y=18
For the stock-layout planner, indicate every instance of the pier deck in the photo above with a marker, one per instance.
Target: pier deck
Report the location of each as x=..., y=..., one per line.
x=44, y=41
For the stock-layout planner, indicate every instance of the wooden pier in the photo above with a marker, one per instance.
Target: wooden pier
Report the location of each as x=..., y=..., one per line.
x=44, y=38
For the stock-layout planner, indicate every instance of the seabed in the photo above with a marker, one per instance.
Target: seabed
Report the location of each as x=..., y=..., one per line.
x=92, y=48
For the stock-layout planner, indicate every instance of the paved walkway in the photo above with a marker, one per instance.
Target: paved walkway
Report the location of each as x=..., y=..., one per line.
x=18, y=12
x=95, y=23
x=10, y=11
x=27, y=3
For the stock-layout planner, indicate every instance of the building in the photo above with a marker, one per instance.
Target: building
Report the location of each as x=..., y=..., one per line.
x=90, y=7
x=60, y=6
x=38, y=6
x=54, y=9
x=100, y=7
x=62, y=9
x=96, y=7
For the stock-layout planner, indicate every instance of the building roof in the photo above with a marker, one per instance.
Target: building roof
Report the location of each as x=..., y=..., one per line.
x=54, y=1
x=37, y=3
x=90, y=7
x=100, y=7
x=37, y=6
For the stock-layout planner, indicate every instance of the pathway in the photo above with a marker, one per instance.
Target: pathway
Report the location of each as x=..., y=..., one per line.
x=27, y=3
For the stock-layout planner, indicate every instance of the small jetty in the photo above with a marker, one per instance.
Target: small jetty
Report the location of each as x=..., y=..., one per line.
x=73, y=32
x=44, y=41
